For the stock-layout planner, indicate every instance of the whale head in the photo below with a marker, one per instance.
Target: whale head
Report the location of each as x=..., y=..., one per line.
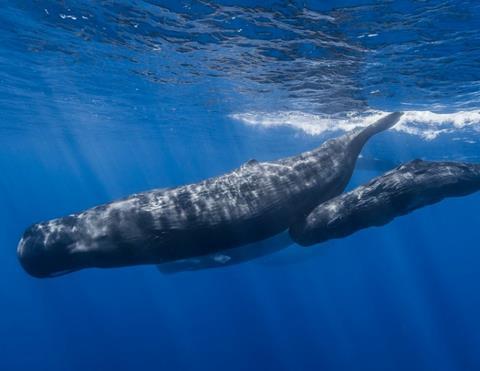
x=44, y=251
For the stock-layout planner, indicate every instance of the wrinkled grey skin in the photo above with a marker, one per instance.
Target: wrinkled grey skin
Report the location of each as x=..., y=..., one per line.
x=253, y=202
x=398, y=192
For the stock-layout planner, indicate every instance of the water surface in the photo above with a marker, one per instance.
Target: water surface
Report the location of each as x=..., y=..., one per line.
x=103, y=99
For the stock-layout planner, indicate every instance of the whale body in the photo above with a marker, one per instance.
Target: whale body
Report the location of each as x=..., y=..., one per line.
x=404, y=189
x=254, y=202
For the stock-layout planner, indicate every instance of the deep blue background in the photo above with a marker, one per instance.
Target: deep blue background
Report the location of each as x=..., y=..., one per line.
x=95, y=109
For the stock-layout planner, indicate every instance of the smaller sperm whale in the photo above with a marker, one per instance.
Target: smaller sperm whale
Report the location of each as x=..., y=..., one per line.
x=251, y=203
x=400, y=191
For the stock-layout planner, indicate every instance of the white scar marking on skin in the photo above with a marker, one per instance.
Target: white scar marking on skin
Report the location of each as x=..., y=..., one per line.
x=221, y=258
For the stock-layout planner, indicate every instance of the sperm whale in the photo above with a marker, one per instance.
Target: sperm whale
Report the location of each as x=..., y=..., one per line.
x=254, y=202
x=398, y=192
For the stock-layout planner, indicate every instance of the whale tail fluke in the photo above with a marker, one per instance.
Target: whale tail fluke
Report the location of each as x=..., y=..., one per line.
x=378, y=126
x=362, y=136
x=384, y=123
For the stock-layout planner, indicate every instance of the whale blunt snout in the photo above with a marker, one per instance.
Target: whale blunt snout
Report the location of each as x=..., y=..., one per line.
x=41, y=259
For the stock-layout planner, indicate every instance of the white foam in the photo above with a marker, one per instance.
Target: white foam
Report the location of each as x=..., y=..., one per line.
x=66, y=16
x=426, y=124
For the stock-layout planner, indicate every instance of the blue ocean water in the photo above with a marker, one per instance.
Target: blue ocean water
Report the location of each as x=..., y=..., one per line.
x=103, y=99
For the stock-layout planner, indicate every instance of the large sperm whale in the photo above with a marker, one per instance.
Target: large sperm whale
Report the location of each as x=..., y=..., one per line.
x=253, y=202
x=400, y=191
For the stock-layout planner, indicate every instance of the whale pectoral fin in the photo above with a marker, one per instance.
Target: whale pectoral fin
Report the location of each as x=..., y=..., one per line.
x=179, y=266
x=192, y=264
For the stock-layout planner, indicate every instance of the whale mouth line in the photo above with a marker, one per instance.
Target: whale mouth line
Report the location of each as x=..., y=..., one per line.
x=53, y=274
x=60, y=273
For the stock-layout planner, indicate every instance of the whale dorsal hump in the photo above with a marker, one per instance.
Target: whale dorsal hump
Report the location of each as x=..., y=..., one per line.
x=250, y=162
